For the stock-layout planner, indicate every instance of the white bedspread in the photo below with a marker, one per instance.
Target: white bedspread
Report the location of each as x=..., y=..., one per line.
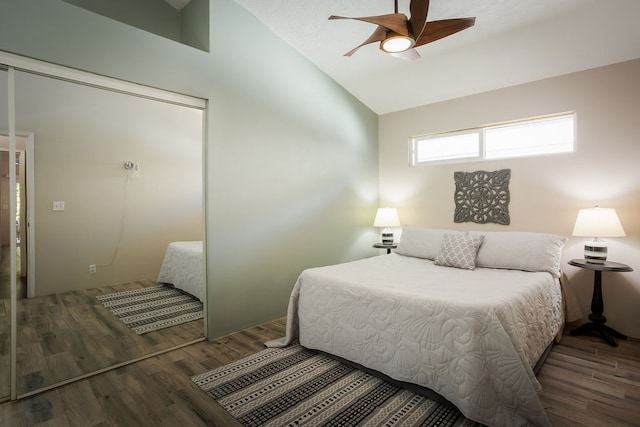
x=472, y=336
x=183, y=267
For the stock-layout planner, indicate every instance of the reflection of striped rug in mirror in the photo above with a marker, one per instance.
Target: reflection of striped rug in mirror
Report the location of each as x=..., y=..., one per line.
x=298, y=386
x=152, y=308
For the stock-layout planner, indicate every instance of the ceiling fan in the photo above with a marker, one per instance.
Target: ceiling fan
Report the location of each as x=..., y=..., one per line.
x=399, y=35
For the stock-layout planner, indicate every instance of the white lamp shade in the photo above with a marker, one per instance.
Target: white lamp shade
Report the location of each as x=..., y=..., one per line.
x=386, y=217
x=598, y=222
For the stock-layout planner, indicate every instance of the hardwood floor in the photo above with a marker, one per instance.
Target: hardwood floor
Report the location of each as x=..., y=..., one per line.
x=5, y=275
x=154, y=392
x=585, y=382
x=62, y=336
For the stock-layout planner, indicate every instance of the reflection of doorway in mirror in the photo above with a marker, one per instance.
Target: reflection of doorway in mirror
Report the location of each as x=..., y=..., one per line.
x=19, y=222
x=24, y=143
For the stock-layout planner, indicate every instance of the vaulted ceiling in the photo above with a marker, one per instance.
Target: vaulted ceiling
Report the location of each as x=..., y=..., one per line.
x=512, y=42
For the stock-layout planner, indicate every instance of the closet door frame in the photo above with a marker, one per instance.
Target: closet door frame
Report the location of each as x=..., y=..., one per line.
x=18, y=63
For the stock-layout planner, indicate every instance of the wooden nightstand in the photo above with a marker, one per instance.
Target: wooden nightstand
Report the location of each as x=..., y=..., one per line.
x=387, y=247
x=598, y=321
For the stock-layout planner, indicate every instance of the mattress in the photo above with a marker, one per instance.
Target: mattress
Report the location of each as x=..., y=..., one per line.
x=472, y=336
x=183, y=267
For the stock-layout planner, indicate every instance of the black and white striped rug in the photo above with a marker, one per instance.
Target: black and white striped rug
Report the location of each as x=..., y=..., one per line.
x=152, y=308
x=296, y=386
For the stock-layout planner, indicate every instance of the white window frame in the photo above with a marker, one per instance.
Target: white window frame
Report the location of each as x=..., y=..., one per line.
x=414, y=142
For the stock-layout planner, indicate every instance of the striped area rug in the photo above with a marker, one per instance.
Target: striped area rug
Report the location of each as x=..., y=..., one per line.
x=152, y=308
x=296, y=386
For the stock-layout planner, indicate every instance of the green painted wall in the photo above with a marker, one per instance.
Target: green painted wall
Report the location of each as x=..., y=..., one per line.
x=155, y=16
x=194, y=24
x=189, y=26
x=291, y=158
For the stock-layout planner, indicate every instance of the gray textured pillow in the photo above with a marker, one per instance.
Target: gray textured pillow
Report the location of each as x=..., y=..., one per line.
x=459, y=251
x=421, y=242
x=517, y=250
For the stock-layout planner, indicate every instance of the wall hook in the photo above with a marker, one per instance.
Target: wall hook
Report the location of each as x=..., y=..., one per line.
x=131, y=166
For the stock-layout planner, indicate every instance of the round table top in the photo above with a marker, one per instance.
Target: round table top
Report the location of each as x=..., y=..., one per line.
x=383, y=246
x=606, y=266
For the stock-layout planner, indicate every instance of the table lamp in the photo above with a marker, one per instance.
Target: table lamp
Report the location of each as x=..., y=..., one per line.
x=597, y=222
x=387, y=218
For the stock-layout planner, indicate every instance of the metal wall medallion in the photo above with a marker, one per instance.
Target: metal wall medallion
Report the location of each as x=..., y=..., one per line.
x=482, y=197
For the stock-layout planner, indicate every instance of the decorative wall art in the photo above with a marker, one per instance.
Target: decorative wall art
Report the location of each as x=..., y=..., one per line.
x=482, y=196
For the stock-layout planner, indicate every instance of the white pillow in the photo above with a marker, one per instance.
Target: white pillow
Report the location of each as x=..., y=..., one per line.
x=421, y=242
x=520, y=251
x=459, y=251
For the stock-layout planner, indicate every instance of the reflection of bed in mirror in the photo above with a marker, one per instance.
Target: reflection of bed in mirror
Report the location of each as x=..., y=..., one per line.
x=183, y=267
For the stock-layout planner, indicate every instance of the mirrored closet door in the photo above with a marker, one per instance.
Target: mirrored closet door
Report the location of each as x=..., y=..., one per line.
x=5, y=258
x=111, y=180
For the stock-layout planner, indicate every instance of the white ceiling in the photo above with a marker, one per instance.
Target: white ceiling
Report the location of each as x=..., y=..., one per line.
x=512, y=42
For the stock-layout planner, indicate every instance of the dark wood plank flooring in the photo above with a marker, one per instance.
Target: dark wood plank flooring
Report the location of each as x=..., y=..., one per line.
x=5, y=275
x=63, y=336
x=585, y=382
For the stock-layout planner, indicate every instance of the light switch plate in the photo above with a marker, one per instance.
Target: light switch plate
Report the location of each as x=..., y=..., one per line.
x=58, y=206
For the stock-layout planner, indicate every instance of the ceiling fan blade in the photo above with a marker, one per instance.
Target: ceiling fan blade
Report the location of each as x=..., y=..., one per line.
x=394, y=21
x=408, y=55
x=436, y=30
x=418, y=19
x=377, y=36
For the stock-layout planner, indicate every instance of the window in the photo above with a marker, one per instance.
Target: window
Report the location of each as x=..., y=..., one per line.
x=540, y=136
x=448, y=147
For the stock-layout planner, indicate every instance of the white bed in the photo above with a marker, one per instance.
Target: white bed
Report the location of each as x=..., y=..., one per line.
x=473, y=336
x=183, y=267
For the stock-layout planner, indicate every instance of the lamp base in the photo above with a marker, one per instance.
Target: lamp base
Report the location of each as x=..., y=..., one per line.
x=595, y=251
x=387, y=236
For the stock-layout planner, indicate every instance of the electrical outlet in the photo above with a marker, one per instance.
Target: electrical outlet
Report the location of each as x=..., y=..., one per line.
x=92, y=269
x=58, y=206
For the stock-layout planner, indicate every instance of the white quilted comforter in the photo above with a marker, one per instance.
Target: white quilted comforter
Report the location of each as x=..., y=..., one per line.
x=472, y=336
x=183, y=267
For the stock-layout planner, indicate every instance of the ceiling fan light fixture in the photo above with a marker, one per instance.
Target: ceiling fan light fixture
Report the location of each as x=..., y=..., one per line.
x=395, y=43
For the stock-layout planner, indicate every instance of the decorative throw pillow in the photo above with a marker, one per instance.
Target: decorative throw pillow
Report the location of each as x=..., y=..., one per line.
x=422, y=242
x=459, y=251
